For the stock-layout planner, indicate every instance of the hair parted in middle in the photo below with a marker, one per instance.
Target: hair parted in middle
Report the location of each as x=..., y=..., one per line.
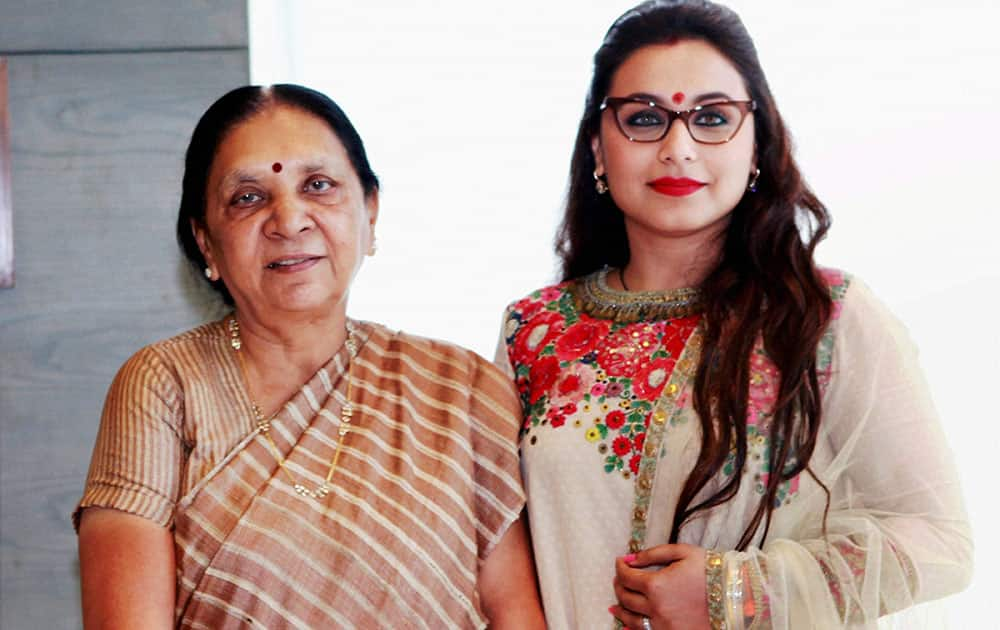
x=765, y=284
x=228, y=112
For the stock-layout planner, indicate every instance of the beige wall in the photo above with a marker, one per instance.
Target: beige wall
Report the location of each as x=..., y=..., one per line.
x=103, y=98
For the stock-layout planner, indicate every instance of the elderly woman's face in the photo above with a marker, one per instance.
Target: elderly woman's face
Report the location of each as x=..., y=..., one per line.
x=287, y=222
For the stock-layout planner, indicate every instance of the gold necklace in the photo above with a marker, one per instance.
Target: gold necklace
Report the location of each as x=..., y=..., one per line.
x=264, y=425
x=594, y=297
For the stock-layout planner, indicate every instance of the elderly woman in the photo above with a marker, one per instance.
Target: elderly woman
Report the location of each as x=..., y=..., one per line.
x=718, y=433
x=287, y=466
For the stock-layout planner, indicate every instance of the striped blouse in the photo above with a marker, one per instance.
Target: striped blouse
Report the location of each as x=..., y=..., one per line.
x=427, y=482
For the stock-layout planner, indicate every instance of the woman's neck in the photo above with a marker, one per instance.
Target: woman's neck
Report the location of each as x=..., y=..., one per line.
x=658, y=263
x=282, y=353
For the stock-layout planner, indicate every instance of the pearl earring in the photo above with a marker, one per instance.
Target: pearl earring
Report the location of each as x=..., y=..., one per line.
x=208, y=273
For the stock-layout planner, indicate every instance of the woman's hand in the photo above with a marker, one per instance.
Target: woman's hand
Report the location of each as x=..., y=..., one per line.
x=665, y=583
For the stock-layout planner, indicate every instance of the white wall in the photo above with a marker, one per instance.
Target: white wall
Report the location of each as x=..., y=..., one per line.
x=468, y=110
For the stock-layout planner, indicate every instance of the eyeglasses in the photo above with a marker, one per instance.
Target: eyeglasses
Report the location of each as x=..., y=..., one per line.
x=641, y=120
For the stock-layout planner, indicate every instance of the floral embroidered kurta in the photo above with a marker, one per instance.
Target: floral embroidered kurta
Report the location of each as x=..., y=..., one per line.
x=610, y=435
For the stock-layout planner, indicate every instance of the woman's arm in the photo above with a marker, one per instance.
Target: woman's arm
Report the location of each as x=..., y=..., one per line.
x=127, y=575
x=896, y=533
x=508, y=588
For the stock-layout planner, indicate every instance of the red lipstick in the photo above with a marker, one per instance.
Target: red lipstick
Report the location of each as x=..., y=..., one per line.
x=676, y=186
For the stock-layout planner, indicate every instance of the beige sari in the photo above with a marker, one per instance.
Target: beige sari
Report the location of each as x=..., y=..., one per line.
x=426, y=485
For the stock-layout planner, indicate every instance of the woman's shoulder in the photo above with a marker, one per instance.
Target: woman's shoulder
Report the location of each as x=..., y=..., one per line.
x=190, y=349
x=860, y=323
x=852, y=297
x=836, y=280
x=546, y=299
x=210, y=333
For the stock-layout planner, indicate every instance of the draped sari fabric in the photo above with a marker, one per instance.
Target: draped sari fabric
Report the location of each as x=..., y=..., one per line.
x=427, y=482
x=610, y=435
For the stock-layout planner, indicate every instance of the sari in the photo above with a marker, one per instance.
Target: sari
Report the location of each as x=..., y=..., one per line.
x=610, y=435
x=426, y=485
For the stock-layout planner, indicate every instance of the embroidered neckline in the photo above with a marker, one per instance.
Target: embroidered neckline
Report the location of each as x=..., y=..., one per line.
x=594, y=297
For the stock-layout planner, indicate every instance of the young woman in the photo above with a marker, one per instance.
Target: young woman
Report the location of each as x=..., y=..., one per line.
x=717, y=432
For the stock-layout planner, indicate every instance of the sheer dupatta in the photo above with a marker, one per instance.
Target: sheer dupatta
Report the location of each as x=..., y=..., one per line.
x=896, y=532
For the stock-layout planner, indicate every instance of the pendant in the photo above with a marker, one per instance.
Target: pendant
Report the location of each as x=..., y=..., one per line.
x=319, y=493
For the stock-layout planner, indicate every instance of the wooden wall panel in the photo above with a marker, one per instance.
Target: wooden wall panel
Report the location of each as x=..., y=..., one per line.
x=116, y=25
x=97, y=146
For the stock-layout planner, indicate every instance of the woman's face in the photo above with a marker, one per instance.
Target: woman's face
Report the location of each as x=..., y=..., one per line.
x=642, y=176
x=286, y=219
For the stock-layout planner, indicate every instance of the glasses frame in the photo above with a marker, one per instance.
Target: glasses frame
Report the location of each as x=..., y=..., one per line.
x=614, y=102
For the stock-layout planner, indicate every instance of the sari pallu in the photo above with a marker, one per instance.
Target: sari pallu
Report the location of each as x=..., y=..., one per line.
x=426, y=484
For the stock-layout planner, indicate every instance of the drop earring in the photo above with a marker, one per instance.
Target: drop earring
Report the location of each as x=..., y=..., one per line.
x=599, y=184
x=752, y=186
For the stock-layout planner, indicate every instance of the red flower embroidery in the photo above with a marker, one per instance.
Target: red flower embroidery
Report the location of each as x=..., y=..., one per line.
x=639, y=441
x=622, y=445
x=633, y=464
x=535, y=335
x=615, y=419
x=543, y=376
x=626, y=351
x=570, y=384
x=558, y=420
x=580, y=339
x=574, y=382
x=550, y=294
x=649, y=381
x=528, y=308
x=832, y=277
x=764, y=379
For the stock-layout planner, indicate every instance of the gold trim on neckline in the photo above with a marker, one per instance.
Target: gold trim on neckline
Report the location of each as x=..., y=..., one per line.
x=594, y=297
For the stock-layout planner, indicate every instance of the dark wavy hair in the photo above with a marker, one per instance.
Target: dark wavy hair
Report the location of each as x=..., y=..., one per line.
x=765, y=284
x=223, y=116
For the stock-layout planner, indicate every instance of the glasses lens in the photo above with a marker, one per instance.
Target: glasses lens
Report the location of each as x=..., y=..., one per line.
x=715, y=123
x=640, y=121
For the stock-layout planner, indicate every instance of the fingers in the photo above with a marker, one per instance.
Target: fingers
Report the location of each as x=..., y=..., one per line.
x=637, y=587
x=630, y=578
x=660, y=554
x=633, y=600
x=629, y=618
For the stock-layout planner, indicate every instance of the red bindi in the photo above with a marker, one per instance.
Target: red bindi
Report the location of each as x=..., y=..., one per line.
x=678, y=98
x=276, y=167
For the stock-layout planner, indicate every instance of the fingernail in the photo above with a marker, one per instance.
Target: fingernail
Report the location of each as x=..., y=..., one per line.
x=629, y=559
x=611, y=609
